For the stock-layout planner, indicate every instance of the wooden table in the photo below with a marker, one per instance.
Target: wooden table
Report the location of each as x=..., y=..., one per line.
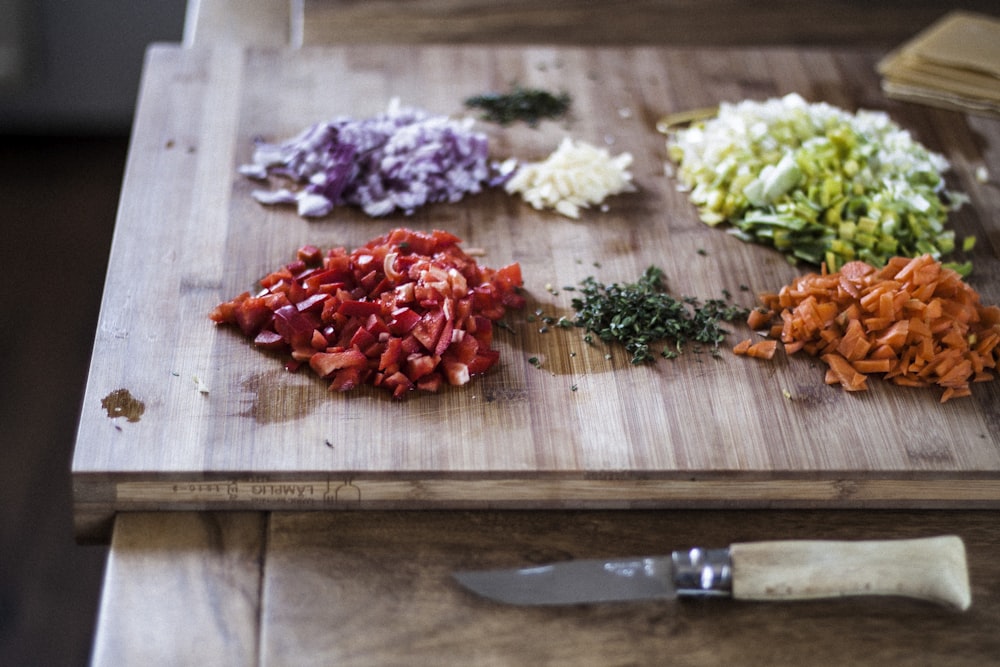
x=373, y=587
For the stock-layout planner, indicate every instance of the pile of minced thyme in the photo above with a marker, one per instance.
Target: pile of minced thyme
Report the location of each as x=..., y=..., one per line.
x=642, y=314
x=529, y=105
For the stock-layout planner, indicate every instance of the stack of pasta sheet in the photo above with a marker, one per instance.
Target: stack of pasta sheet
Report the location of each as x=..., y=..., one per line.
x=955, y=63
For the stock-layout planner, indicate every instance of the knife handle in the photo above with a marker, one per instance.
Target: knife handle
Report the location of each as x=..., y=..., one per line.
x=931, y=568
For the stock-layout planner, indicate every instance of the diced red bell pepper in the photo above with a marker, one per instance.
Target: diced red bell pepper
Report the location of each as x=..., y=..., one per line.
x=403, y=320
x=275, y=277
x=313, y=303
x=295, y=327
x=251, y=315
x=464, y=349
x=319, y=341
x=410, y=345
x=360, y=308
x=426, y=321
x=455, y=372
x=508, y=277
x=430, y=383
x=444, y=340
x=362, y=339
x=419, y=365
x=428, y=330
x=324, y=364
x=269, y=340
x=392, y=355
x=320, y=278
x=485, y=360
x=398, y=383
x=376, y=326
x=310, y=255
x=346, y=331
x=346, y=379
x=339, y=265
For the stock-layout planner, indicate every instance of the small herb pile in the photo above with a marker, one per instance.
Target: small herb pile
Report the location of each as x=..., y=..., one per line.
x=641, y=314
x=525, y=104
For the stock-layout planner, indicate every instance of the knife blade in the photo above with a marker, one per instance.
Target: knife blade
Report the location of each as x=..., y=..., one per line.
x=930, y=568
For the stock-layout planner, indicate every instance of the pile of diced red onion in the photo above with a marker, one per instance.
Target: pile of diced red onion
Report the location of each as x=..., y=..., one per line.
x=401, y=159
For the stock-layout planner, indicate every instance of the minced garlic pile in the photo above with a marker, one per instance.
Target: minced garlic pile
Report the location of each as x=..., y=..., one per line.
x=577, y=175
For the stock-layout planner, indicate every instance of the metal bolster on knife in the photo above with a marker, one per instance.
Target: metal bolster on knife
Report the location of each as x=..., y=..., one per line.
x=703, y=572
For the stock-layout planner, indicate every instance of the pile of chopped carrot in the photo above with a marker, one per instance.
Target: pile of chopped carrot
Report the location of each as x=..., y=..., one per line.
x=914, y=321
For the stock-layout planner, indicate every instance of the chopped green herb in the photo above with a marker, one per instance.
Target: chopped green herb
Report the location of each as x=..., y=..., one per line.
x=641, y=314
x=530, y=105
x=535, y=361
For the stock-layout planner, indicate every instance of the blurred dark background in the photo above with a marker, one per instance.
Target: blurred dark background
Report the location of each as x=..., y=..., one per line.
x=69, y=75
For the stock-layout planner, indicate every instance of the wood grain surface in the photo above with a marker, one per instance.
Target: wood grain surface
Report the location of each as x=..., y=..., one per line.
x=585, y=429
x=613, y=22
x=184, y=588
x=375, y=588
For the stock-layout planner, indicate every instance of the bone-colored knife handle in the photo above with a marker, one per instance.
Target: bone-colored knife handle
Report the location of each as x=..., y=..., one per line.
x=931, y=568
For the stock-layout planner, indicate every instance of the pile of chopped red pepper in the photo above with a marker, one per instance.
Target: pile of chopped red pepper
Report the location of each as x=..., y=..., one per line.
x=408, y=310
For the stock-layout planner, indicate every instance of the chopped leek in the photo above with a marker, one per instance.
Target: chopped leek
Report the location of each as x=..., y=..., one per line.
x=816, y=182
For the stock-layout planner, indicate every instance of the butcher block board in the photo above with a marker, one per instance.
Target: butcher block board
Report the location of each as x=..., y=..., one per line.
x=216, y=424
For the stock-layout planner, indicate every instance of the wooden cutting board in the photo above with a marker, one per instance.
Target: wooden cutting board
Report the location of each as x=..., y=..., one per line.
x=208, y=422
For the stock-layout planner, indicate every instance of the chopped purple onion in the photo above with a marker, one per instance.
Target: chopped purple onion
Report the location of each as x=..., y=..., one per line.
x=401, y=159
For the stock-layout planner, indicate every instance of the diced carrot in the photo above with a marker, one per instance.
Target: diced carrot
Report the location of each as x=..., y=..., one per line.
x=895, y=335
x=883, y=352
x=856, y=271
x=905, y=272
x=764, y=349
x=742, y=346
x=793, y=347
x=909, y=381
x=915, y=321
x=870, y=299
x=918, y=328
x=867, y=366
x=952, y=338
x=955, y=392
x=854, y=345
x=957, y=375
x=849, y=379
x=759, y=318
x=886, y=307
x=988, y=344
x=877, y=323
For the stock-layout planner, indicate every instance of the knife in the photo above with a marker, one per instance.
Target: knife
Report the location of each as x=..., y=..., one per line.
x=932, y=568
